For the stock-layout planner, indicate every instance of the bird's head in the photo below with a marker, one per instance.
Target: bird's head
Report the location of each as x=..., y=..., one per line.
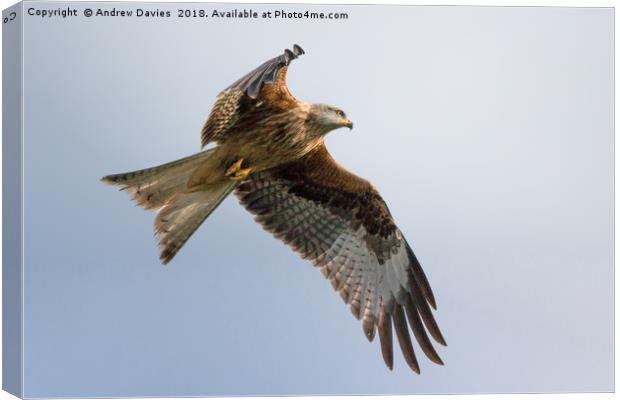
x=327, y=118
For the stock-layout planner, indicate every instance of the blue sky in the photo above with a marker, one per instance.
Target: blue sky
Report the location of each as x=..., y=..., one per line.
x=487, y=130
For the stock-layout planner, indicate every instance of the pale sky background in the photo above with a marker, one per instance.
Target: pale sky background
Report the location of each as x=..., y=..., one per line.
x=488, y=131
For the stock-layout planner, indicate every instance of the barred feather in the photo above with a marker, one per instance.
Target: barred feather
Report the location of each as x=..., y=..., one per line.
x=265, y=84
x=340, y=223
x=152, y=187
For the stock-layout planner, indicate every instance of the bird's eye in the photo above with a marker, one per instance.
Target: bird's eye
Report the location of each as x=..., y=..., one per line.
x=340, y=113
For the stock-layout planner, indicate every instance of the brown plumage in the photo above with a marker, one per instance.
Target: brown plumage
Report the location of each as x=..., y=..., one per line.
x=270, y=151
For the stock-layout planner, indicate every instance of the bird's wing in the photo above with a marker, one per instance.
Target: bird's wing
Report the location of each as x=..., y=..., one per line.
x=267, y=83
x=340, y=222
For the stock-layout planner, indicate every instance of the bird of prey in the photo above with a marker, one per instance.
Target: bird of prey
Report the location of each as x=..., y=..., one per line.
x=270, y=150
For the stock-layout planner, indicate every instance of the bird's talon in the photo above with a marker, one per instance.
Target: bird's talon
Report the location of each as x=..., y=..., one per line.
x=241, y=174
x=233, y=169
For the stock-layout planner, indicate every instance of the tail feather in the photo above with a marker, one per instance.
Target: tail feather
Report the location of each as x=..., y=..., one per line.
x=152, y=187
x=182, y=208
x=184, y=213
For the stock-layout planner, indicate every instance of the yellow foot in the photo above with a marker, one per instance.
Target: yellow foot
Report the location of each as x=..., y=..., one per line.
x=241, y=174
x=236, y=173
x=234, y=168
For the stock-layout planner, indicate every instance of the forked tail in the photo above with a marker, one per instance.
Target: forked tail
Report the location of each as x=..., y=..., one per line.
x=182, y=209
x=184, y=213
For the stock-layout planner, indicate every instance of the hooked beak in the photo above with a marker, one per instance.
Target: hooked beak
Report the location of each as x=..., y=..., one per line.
x=348, y=123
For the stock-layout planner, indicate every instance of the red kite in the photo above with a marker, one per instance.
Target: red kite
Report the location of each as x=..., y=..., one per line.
x=270, y=151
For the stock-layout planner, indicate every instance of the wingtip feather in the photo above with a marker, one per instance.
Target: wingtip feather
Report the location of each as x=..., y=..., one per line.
x=385, y=338
x=431, y=300
x=288, y=56
x=415, y=322
x=402, y=333
x=369, y=329
x=298, y=50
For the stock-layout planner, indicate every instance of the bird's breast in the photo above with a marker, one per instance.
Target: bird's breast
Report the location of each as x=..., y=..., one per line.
x=276, y=139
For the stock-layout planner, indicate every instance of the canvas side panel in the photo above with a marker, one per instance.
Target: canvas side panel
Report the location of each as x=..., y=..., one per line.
x=12, y=200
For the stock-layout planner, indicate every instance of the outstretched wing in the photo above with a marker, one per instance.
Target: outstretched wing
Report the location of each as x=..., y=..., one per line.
x=267, y=83
x=340, y=222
